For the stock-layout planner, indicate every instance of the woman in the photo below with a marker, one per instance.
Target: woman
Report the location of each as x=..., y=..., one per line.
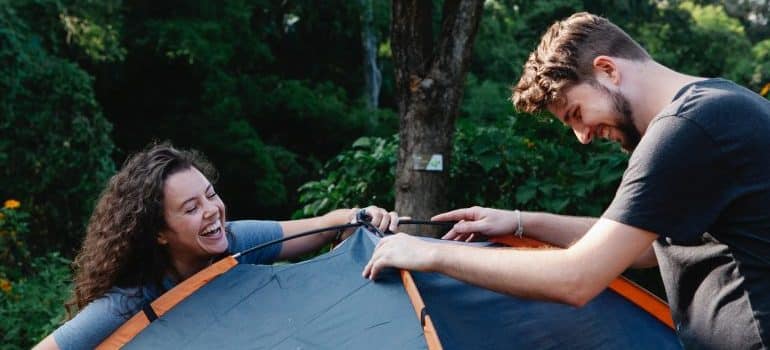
x=158, y=222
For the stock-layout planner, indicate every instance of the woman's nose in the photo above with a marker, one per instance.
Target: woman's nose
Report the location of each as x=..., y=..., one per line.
x=210, y=209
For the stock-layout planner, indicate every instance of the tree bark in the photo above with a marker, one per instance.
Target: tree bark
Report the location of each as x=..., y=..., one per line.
x=429, y=88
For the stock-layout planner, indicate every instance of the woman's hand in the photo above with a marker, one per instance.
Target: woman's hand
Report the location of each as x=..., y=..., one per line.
x=380, y=218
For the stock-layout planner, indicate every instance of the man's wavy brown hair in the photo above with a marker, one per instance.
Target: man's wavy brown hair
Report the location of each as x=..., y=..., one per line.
x=120, y=247
x=564, y=58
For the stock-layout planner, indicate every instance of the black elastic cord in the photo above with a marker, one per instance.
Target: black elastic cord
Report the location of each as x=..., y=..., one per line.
x=149, y=312
x=425, y=222
x=303, y=234
x=362, y=217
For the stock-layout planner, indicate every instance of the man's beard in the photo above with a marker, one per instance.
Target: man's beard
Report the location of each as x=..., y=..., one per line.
x=625, y=123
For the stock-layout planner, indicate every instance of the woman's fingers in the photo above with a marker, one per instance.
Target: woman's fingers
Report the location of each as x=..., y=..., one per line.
x=394, y=219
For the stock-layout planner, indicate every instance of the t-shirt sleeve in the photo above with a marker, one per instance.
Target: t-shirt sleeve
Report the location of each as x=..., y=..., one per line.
x=249, y=233
x=673, y=182
x=95, y=322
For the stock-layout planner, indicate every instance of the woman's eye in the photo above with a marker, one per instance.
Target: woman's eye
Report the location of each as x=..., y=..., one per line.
x=212, y=195
x=191, y=210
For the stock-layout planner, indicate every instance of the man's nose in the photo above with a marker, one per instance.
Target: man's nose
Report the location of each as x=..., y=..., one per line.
x=583, y=134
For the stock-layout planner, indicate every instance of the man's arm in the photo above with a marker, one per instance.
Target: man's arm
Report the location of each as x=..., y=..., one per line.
x=563, y=231
x=558, y=230
x=572, y=276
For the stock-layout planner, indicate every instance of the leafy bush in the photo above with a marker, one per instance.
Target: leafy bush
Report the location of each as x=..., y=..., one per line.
x=32, y=289
x=14, y=255
x=54, y=142
x=360, y=176
x=531, y=163
x=32, y=307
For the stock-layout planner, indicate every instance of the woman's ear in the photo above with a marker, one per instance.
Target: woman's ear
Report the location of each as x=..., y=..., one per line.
x=161, y=238
x=606, y=68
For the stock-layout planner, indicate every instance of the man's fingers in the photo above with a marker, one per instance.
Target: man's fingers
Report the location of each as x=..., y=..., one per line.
x=451, y=234
x=367, y=269
x=454, y=215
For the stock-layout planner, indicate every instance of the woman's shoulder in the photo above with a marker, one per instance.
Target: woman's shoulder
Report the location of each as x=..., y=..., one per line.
x=102, y=316
x=249, y=233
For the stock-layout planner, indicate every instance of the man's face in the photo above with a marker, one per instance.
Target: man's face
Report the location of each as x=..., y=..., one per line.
x=592, y=111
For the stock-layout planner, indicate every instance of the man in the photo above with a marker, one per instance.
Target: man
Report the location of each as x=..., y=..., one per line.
x=695, y=198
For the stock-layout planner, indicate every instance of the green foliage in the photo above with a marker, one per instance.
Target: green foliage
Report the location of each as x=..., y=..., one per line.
x=359, y=176
x=14, y=229
x=54, y=142
x=83, y=30
x=761, y=74
x=485, y=101
x=522, y=162
x=32, y=307
x=286, y=76
x=32, y=289
x=532, y=163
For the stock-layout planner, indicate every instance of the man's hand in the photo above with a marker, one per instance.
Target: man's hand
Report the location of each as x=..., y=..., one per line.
x=400, y=251
x=478, y=221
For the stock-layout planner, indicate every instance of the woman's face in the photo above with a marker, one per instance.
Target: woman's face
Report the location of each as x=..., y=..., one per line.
x=195, y=218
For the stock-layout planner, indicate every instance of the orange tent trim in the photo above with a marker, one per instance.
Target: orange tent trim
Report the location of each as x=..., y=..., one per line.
x=165, y=302
x=431, y=336
x=621, y=285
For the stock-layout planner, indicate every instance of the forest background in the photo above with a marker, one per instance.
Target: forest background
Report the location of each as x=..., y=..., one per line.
x=293, y=101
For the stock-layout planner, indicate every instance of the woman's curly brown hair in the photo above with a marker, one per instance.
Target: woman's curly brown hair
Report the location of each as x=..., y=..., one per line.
x=565, y=57
x=120, y=247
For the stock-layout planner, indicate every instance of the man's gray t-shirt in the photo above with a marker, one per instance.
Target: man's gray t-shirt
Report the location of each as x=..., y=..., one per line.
x=104, y=315
x=700, y=179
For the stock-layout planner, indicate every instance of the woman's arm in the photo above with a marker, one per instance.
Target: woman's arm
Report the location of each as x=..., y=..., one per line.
x=49, y=343
x=294, y=248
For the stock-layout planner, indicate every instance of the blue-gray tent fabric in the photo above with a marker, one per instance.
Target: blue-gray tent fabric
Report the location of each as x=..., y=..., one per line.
x=468, y=317
x=322, y=303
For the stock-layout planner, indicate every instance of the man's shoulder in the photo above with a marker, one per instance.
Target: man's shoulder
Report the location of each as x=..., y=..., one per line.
x=704, y=100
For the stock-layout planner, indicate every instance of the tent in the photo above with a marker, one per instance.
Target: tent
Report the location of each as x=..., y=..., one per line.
x=324, y=303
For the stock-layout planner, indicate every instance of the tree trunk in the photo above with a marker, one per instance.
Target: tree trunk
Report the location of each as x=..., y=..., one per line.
x=429, y=88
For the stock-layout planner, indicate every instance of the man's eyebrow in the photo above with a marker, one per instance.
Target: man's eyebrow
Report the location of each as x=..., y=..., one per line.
x=567, y=113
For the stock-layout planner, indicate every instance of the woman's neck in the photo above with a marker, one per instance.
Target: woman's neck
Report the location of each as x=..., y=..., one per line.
x=181, y=269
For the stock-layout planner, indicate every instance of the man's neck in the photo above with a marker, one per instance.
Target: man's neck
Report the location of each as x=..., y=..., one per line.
x=654, y=88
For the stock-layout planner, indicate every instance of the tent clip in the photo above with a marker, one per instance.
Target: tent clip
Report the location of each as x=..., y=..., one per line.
x=423, y=315
x=149, y=312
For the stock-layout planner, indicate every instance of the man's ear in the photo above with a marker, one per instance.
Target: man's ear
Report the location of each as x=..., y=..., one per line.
x=605, y=68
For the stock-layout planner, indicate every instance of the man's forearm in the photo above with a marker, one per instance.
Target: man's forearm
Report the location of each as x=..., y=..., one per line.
x=559, y=230
x=563, y=231
x=554, y=278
